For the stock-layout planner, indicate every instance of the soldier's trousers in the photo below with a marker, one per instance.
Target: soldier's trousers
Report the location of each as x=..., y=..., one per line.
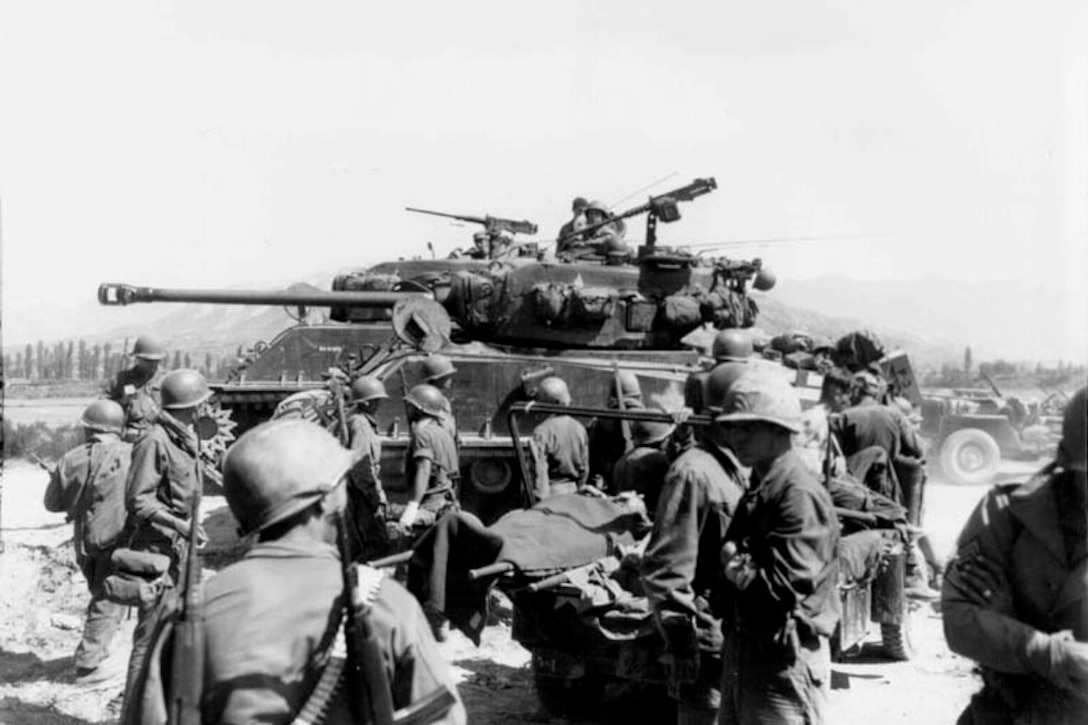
x=103, y=616
x=763, y=685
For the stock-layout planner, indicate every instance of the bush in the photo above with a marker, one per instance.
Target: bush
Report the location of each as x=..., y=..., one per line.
x=21, y=440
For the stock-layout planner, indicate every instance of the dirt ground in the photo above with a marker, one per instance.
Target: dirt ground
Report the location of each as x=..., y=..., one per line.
x=42, y=596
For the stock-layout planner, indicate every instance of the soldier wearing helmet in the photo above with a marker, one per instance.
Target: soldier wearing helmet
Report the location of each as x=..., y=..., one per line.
x=1015, y=598
x=366, y=496
x=272, y=620
x=562, y=444
x=161, y=486
x=697, y=500
x=438, y=370
x=88, y=484
x=136, y=388
x=578, y=218
x=610, y=439
x=780, y=565
x=433, y=468
x=599, y=241
x=642, y=469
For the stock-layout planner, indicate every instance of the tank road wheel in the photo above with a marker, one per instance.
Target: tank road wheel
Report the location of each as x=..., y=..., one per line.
x=970, y=456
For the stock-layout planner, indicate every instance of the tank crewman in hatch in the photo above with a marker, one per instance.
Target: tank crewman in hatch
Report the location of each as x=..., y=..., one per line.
x=160, y=490
x=89, y=486
x=578, y=218
x=562, y=443
x=433, y=469
x=367, y=501
x=780, y=565
x=1015, y=598
x=271, y=619
x=681, y=569
x=136, y=389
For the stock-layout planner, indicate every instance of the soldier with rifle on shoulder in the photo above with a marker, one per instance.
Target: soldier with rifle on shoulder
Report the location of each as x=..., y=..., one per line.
x=294, y=631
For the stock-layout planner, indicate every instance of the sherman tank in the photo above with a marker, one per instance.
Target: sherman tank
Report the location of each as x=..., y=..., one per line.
x=506, y=314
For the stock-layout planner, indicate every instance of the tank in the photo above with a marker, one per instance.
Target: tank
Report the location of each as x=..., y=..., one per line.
x=506, y=318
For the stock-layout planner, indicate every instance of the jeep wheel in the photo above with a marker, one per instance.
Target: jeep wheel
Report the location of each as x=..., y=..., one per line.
x=970, y=456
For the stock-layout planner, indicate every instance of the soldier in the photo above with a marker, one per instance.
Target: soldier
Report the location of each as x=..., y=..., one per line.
x=680, y=569
x=563, y=444
x=605, y=239
x=275, y=622
x=89, y=486
x=731, y=350
x=609, y=439
x=432, y=467
x=366, y=496
x=642, y=469
x=136, y=388
x=578, y=218
x=1015, y=598
x=779, y=563
x=160, y=490
x=438, y=370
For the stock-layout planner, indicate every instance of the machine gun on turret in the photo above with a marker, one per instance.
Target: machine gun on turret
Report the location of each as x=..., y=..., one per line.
x=491, y=224
x=661, y=207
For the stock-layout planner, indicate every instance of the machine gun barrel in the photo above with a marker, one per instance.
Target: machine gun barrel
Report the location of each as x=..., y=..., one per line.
x=589, y=412
x=663, y=205
x=123, y=294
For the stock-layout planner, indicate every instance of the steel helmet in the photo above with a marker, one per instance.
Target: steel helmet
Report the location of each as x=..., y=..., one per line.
x=628, y=385
x=184, y=389
x=437, y=367
x=553, y=390
x=278, y=469
x=1073, y=450
x=732, y=345
x=367, y=388
x=148, y=348
x=598, y=205
x=104, y=416
x=867, y=383
x=579, y=203
x=718, y=383
x=759, y=395
x=648, y=432
x=427, y=398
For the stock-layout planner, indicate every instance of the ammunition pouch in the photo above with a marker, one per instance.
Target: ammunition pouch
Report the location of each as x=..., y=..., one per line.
x=138, y=577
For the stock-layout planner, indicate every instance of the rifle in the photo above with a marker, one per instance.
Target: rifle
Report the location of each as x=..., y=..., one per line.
x=187, y=662
x=491, y=223
x=42, y=464
x=662, y=206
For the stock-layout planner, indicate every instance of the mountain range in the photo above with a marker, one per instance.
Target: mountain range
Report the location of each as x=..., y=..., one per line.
x=925, y=325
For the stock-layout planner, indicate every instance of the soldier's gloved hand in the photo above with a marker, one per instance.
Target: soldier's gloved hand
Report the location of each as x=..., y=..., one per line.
x=1069, y=663
x=739, y=568
x=982, y=582
x=679, y=417
x=411, y=509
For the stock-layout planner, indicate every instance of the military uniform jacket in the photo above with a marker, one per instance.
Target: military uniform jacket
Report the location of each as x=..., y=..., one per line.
x=697, y=502
x=163, y=476
x=873, y=424
x=1032, y=533
x=142, y=408
x=269, y=619
x=89, y=485
x=787, y=523
x=366, y=444
x=565, y=446
x=432, y=441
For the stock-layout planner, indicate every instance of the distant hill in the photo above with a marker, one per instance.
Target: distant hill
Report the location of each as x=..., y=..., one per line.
x=200, y=328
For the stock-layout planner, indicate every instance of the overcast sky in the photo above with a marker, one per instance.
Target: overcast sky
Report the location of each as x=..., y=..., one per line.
x=219, y=143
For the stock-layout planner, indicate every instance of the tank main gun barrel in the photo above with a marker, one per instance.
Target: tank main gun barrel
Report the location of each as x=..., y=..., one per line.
x=123, y=294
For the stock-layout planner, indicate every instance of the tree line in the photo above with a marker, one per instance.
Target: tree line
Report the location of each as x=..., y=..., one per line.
x=79, y=360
